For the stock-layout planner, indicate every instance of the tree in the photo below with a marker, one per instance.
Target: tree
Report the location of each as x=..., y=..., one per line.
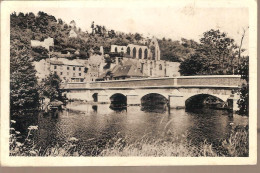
x=23, y=83
x=39, y=53
x=219, y=48
x=137, y=37
x=51, y=87
x=243, y=102
x=60, y=21
x=194, y=65
x=241, y=43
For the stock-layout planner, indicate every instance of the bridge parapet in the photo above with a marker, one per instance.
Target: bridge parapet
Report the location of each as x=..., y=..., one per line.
x=74, y=85
x=148, y=82
x=216, y=80
x=205, y=81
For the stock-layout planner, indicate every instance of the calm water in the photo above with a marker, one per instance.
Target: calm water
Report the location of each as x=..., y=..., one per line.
x=97, y=124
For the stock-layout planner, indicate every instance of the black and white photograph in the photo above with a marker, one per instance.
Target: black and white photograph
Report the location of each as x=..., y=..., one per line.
x=140, y=82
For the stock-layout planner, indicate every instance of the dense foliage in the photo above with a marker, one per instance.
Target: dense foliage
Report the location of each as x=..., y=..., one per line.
x=23, y=82
x=51, y=87
x=38, y=27
x=216, y=54
x=194, y=65
x=243, y=102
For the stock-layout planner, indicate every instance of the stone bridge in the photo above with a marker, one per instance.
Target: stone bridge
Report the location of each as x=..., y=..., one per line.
x=176, y=90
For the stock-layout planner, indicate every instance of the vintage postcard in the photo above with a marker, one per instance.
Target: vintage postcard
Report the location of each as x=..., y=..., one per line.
x=119, y=83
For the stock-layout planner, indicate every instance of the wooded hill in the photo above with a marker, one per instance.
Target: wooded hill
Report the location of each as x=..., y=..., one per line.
x=215, y=54
x=38, y=27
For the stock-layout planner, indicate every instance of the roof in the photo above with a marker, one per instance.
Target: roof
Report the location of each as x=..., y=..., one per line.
x=131, y=62
x=105, y=73
x=64, y=61
x=127, y=70
x=57, y=62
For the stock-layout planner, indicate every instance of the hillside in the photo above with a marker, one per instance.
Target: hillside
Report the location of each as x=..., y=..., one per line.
x=27, y=27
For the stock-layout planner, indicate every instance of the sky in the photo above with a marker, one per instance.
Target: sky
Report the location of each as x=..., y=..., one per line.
x=188, y=21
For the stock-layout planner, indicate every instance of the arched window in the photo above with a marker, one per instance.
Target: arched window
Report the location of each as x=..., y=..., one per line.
x=134, y=52
x=116, y=49
x=140, y=53
x=153, y=52
x=145, y=53
x=160, y=66
x=128, y=51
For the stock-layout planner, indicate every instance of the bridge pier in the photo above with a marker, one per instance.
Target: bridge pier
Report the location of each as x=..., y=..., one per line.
x=133, y=99
x=103, y=97
x=176, y=100
x=232, y=102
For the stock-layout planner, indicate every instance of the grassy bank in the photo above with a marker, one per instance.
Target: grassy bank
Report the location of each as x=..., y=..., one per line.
x=236, y=145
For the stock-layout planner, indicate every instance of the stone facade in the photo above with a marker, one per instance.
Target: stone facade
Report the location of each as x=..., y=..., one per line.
x=148, y=59
x=95, y=67
x=116, y=48
x=74, y=71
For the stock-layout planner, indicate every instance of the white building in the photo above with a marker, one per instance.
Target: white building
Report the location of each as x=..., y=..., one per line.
x=46, y=43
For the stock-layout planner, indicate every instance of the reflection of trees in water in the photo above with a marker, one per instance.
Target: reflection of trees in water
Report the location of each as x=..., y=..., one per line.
x=118, y=107
x=118, y=102
x=204, y=100
x=209, y=125
x=159, y=108
x=154, y=103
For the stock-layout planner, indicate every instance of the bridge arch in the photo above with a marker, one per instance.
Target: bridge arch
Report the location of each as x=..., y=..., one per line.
x=118, y=98
x=153, y=99
x=203, y=99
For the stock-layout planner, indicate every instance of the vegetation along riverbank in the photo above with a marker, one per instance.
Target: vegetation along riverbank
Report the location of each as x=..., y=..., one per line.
x=236, y=145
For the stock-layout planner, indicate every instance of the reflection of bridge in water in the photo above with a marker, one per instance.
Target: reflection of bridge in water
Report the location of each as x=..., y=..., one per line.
x=178, y=92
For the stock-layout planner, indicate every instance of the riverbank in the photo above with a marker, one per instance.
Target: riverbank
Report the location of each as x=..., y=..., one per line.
x=236, y=145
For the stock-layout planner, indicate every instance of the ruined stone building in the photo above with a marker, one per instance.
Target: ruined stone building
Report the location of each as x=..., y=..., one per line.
x=147, y=59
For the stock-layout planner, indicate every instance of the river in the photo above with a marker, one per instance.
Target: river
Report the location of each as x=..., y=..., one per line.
x=96, y=124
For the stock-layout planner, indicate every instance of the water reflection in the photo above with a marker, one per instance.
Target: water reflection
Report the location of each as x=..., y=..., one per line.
x=96, y=124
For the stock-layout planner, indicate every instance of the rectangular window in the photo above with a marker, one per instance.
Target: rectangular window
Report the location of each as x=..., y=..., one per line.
x=79, y=68
x=68, y=68
x=60, y=73
x=79, y=74
x=55, y=67
x=81, y=80
x=74, y=68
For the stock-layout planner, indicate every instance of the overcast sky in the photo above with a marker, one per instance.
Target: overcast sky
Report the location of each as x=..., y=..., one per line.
x=169, y=22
